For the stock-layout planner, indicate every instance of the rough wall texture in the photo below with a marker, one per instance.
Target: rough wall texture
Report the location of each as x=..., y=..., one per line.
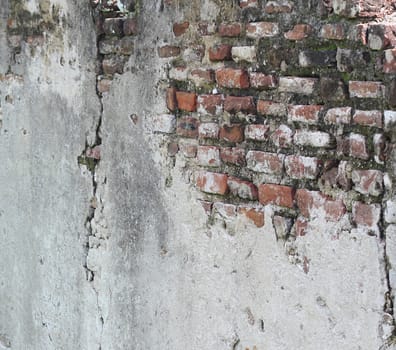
x=200, y=174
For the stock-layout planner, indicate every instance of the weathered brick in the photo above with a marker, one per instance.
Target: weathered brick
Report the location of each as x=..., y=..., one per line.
x=282, y=226
x=315, y=58
x=273, y=7
x=332, y=89
x=232, y=133
x=208, y=131
x=130, y=26
x=164, y=123
x=349, y=60
x=299, y=167
x=126, y=46
x=253, y=214
x=368, y=118
x=235, y=104
x=93, y=153
x=265, y=162
x=186, y=101
x=188, y=148
x=233, y=155
x=381, y=35
x=276, y=194
x=206, y=28
x=221, y=52
x=319, y=139
x=297, y=85
x=206, y=206
x=389, y=65
x=173, y=148
x=178, y=73
x=244, y=54
x=230, y=29
x=257, y=132
x=390, y=211
x=368, y=181
x=168, y=51
x=193, y=53
x=379, y=145
x=301, y=226
x=271, y=108
x=333, y=31
x=208, y=156
x=113, y=65
x=241, y=188
x=258, y=30
x=213, y=183
x=248, y=3
x=282, y=137
x=224, y=210
x=210, y=104
x=299, y=32
x=202, y=77
x=365, y=89
x=232, y=78
x=366, y=214
x=389, y=120
x=263, y=81
x=304, y=113
x=113, y=26
x=104, y=85
x=171, y=101
x=187, y=127
x=180, y=28
x=339, y=115
x=358, y=146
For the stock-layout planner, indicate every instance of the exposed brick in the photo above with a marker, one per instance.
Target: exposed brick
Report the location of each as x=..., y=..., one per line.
x=130, y=26
x=230, y=29
x=273, y=7
x=233, y=155
x=299, y=32
x=221, y=52
x=208, y=156
x=168, y=51
x=381, y=35
x=188, y=148
x=299, y=167
x=263, y=81
x=224, y=210
x=235, y=104
x=282, y=226
x=315, y=58
x=253, y=214
x=297, y=85
x=164, y=123
x=178, y=73
x=241, y=188
x=201, y=77
x=304, y=113
x=368, y=181
x=232, y=133
x=301, y=226
x=113, y=65
x=206, y=28
x=193, y=53
x=357, y=146
x=332, y=89
x=339, y=115
x=180, y=28
x=109, y=45
x=257, y=30
x=213, y=183
x=244, y=54
x=276, y=194
x=282, y=137
x=113, y=26
x=366, y=214
x=126, y=46
x=248, y=3
x=368, y=118
x=265, y=162
x=232, y=78
x=389, y=120
x=104, y=85
x=379, y=145
x=187, y=127
x=271, y=108
x=365, y=89
x=210, y=104
x=389, y=65
x=186, y=101
x=333, y=31
x=207, y=206
x=317, y=139
x=257, y=132
x=208, y=131
x=171, y=101
x=173, y=148
x=93, y=153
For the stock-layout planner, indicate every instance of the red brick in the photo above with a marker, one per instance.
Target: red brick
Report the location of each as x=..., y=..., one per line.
x=202, y=76
x=299, y=167
x=230, y=29
x=207, y=206
x=208, y=131
x=248, y=3
x=299, y=32
x=365, y=89
x=282, y=137
x=187, y=127
x=220, y=52
x=265, y=162
x=210, y=104
x=208, y=156
x=276, y=194
x=130, y=26
x=171, y=101
x=339, y=115
x=390, y=61
x=271, y=108
x=168, y=51
x=213, y=183
x=257, y=132
x=263, y=81
x=255, y=215
x=273, y=7
x=366, y=214
x=188, y=149
x=301, y=226
x=235, y=104
x=368, y=118
x=304, y=113
x=232, y=133
x=233, y=155
x=232, y=78
x=180, y=28
x=358, y=147
x=241, y=188
x=333, y=31
x=368, y=182
x=224, y=210
x=186, y=101
x=257, y=30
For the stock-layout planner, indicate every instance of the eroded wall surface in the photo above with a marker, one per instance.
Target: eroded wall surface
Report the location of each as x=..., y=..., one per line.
x=205, y=174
